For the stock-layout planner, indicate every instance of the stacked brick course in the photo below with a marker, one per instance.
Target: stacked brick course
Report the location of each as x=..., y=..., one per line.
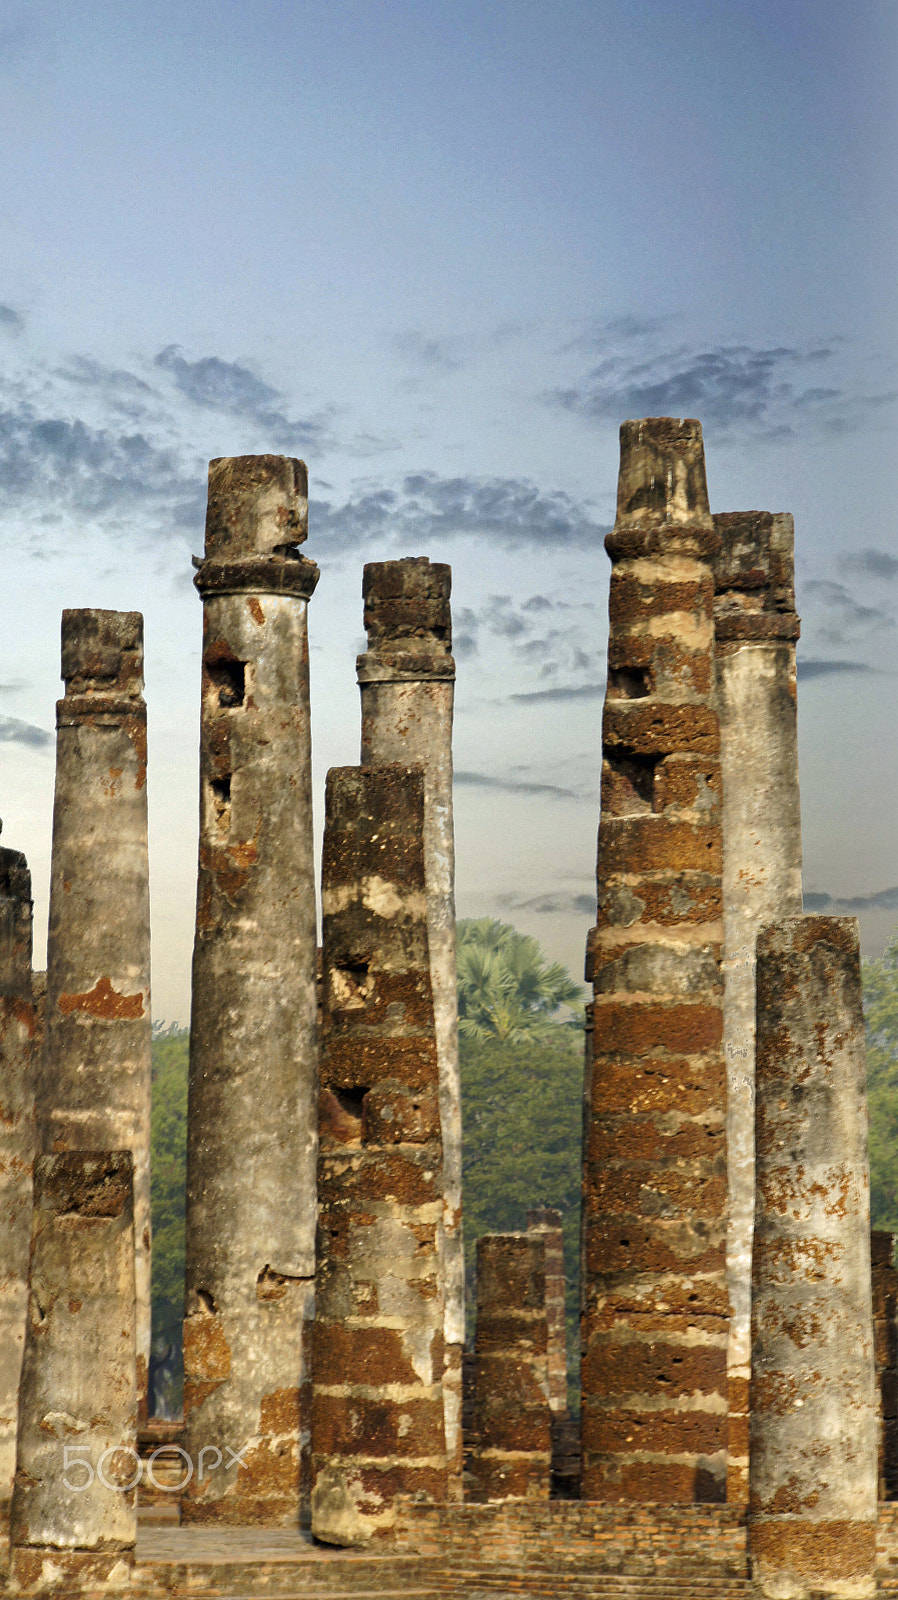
x=512, y=1454
x=885, y=1350
x=377, y=1367
x=407, y=686
x=654, y=1368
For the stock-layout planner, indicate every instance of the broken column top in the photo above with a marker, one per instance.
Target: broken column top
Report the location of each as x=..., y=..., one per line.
x=102, y=653
x=408, y=619
x=257, y=506
x=662, y=474
x=15, y=925
x=754, y=576
x=544, y=1217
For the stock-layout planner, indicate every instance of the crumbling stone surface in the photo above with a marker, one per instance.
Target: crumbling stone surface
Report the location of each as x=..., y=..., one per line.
x=546, y=1221
x=885, y=1353
x=813, y=1445
x=251, y=1147
x=756, y=628
x=74, y=1516
x=654, y=1366
x=512, y=1448
x=94, y=1082
x=17, y=1068
x=407, y=684
x=377, y=1365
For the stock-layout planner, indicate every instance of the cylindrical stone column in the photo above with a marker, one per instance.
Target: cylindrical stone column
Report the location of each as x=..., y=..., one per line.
x=407, y=685
x=74, y=1508
x=512, y=1454
x=654, y=1373
x=755, y=631
x=813, y=1443
x=547, y=1221
x=94, y=1084
x=17, y=1070
x=251, y=1139
x=377, y=1367
x=885, y=1354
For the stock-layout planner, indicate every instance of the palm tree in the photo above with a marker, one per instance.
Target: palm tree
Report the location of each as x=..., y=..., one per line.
x=506, y=988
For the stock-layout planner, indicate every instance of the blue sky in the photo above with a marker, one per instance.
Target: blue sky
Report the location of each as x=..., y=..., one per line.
x=442, y=252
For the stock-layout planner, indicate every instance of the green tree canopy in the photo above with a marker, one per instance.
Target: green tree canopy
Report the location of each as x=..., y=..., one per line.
x=507, y=990
x=881, y=1017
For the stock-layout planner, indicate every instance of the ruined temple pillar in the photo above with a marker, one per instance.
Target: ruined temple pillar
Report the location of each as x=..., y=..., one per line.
x=17, y=1070
x=377, y=1366
x=407, y=685
x=547, y=1221
x=511, y=1457
x=654, y=1193
x=251, y=1140
x=94, y=1082
x=74, y=1507
x=755, y=631
x=813, y=1444
x=885, y=1356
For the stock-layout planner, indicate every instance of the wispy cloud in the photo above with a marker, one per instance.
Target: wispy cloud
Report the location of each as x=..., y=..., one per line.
x=511, y=512
x=485, y=780
x=756, y=388
x=847, y=617
x=12, y=731
x=871, y=563
x=816, y=667
x=235, y=390
x=438, y=355
x=562, y=692
x=11, y=321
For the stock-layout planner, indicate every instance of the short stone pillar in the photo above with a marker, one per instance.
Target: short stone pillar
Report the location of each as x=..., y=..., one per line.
x=17, y=1070
x=654, y=1184
x=511, y=1457
x=74, y=1507
x=755, y=632
x=547, y=1221
x=885, y=1354
x=813, y=1437
x=377, y=1366
x=407, y=685
x=94, y=1085
x=251, y=1137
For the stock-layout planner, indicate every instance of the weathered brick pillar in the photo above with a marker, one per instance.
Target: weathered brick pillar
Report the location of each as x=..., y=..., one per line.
x=813, y=1460
x=885, y=1352
x=74, y=1508
x=756, y=628
x=17, y=1070
x=94, y=1084
x=407, y=685
x=654, y=1373
x=546, y=1221
x=251, y=1139
x=377, y=1367
x=512, y=1454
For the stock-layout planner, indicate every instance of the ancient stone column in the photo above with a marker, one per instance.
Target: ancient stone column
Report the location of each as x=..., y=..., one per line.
x=547, y=1221
x=17, y=1070
x=512, y=1454
x=407, y=684
x=813, y=1444
x=94, y=1087
x=377, y=1367
x=251, y=1143
x=74, y=1508
x=755, y=628
x=654, y=1372
x=885, y=1355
